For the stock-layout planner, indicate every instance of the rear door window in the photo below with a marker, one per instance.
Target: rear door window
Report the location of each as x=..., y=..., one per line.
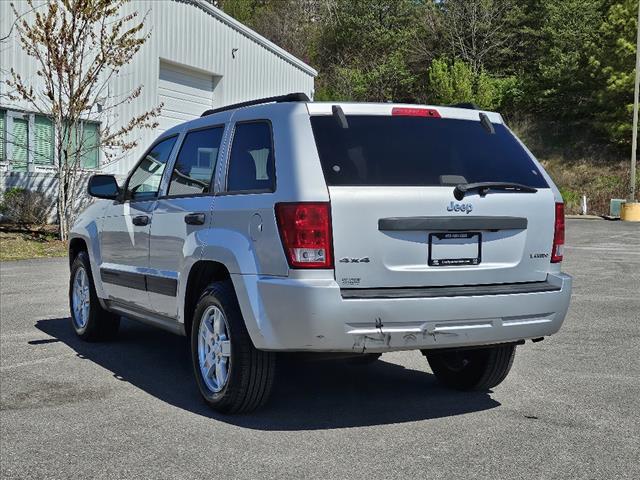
x=418, y=151
x=251, y=164
x=196, y=162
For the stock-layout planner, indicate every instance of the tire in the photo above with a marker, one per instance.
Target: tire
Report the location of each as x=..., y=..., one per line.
x=472, y=369
x=90, y=321
x=240, y=377
x=364, y=359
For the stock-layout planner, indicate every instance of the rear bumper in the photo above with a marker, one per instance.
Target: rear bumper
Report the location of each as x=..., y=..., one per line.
x=315, y=315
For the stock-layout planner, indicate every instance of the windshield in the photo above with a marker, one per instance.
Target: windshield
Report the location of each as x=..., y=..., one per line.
x=417, y=151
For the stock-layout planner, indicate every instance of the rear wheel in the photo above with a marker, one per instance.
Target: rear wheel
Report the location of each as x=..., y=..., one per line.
x=90, y=321
x=232, y=375
x=473, y=369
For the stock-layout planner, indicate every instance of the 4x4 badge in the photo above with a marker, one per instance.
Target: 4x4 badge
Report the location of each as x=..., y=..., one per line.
x=354, y=260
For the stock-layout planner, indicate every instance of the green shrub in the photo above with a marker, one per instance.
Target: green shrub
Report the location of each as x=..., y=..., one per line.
x=455, y=82
x=25, y=206
x=570, y=197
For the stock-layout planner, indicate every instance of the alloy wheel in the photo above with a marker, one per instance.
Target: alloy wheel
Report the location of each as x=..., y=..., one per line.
x=214, y=349
x=81, y=298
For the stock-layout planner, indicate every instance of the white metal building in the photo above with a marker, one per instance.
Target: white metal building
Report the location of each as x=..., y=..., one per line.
x=196, y=58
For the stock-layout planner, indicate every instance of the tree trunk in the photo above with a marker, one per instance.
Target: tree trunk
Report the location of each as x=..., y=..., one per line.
x=63, y=226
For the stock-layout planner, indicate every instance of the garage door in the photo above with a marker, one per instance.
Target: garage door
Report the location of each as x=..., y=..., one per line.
x=186, y=93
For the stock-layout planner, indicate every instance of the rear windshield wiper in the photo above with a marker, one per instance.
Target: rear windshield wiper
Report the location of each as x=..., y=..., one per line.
x=484, y=187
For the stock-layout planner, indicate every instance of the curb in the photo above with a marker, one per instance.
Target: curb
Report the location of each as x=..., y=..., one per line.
x=583, y=217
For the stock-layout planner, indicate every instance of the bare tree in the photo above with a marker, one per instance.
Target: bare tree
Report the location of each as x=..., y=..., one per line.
x=426, y=39
x=476, y=29
x=288, y=23
x=79, y=46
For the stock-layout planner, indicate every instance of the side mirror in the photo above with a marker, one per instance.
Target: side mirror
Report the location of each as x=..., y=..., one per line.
x=103, y=186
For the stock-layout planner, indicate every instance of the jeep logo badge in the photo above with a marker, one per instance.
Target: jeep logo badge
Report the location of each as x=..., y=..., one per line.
x=460, y=207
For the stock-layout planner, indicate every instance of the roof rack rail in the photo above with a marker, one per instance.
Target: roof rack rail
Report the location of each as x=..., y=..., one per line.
x=467, y=105
x=291, y=97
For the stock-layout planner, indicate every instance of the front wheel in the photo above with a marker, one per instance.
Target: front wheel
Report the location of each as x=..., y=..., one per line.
x=472, y=369
x=232, y=375
x=90, y=321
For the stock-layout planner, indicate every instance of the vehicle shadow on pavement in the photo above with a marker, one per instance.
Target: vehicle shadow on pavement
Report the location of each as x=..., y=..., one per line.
x=306, y=396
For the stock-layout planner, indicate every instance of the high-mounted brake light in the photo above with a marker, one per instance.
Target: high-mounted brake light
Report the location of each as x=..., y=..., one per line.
x=305, y=231
x=558, y=235
x=414, y=112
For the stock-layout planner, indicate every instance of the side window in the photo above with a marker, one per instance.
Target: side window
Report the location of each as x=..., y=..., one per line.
x=144, y=181
x=196, y=162
x=251, y=165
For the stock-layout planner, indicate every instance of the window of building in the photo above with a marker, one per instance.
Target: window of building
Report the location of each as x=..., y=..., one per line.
x=90, y=154
x=19, y=140
x=88, y=148
x=196, y=162
x=43, y=142
x=251, y=165
x=27, y=141
x=144, y=181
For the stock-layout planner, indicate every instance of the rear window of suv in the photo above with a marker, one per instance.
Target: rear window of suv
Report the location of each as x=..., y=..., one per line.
x=417, y=151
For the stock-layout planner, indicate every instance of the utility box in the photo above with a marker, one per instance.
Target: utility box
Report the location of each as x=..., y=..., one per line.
x=615, y=205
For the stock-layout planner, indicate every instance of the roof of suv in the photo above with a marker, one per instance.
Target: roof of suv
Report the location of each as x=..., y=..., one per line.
x=223, y=114
x=356, y=108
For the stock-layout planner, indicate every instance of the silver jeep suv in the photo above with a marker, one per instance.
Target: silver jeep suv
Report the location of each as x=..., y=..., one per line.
x=358, y=229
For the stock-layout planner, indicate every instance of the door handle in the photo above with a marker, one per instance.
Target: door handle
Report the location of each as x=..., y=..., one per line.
x=194, y=219
x=141, y=220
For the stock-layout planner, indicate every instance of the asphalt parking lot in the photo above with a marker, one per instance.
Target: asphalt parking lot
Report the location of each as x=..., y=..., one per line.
x=569, y=409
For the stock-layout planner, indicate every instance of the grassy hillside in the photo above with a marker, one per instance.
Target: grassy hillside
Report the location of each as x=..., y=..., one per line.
x=579, y=163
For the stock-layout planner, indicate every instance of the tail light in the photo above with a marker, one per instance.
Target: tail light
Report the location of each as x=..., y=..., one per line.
x=305, y=231
x=558, y=235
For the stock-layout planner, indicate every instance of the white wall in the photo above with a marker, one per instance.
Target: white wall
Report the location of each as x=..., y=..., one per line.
x=189, y=33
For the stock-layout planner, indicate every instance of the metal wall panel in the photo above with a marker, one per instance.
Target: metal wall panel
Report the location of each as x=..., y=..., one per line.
x=183, y=32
